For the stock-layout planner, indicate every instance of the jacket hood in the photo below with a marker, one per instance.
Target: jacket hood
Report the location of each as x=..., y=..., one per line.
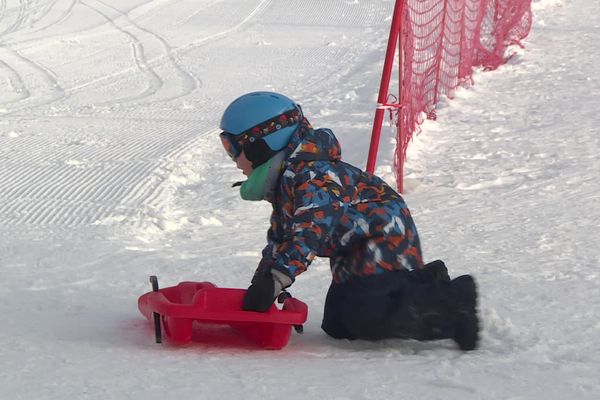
x=308, y=144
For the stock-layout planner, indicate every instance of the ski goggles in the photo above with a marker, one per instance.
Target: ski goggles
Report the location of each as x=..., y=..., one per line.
x=233, y=144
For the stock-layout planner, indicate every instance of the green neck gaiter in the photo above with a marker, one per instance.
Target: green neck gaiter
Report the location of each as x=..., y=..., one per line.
x=254, y=188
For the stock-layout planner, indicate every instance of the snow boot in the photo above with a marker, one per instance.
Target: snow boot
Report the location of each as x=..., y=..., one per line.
x=438, y=310
x=466, y=333
x=434, y=271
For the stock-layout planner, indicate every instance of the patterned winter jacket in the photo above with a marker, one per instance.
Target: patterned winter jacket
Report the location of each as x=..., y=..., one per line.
x=325, y=207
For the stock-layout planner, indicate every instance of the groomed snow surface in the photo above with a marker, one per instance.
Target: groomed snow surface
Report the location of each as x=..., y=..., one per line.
x=111, y=170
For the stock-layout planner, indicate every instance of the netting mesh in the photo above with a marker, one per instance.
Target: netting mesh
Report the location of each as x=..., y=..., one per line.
x=442, y=41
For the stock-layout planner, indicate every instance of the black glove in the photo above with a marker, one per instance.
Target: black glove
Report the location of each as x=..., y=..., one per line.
x=264, y=289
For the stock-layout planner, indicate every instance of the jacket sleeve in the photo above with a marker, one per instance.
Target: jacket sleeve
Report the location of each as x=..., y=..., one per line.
x=311, y=208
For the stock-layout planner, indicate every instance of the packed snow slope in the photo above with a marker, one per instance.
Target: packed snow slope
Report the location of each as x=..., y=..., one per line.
x=111, y=170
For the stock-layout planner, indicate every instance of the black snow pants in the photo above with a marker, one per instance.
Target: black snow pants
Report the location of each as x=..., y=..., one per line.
x=396, y=304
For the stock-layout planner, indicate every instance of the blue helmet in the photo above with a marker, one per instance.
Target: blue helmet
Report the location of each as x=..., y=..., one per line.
x=256, y=110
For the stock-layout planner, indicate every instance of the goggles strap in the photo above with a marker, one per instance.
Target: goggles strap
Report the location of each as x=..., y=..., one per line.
x=272, y=125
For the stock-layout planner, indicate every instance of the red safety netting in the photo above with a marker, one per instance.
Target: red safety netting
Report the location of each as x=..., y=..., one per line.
x=441, y=42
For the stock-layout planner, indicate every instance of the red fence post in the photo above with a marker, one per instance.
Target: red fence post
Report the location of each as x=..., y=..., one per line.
x=384, y=85
x=401, y=141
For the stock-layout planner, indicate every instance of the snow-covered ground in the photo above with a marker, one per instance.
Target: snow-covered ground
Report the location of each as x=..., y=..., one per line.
x=111, y=171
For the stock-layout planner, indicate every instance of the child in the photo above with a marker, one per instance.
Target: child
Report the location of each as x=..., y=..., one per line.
x=325, y=207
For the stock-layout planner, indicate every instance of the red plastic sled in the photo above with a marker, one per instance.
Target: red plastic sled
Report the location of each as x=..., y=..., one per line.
x=183, y=308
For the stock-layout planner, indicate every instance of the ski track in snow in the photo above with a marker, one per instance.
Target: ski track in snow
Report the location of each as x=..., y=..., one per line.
x=70, y=181
x=111, y=170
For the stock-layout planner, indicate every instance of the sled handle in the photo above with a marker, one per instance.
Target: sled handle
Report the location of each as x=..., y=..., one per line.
x=281, y=299
x=157, y=328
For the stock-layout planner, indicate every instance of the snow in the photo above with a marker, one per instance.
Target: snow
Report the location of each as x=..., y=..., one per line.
x=111, y=170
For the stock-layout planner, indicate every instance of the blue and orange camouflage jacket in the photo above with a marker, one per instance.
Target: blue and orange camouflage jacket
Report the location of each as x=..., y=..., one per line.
x=325, y=207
